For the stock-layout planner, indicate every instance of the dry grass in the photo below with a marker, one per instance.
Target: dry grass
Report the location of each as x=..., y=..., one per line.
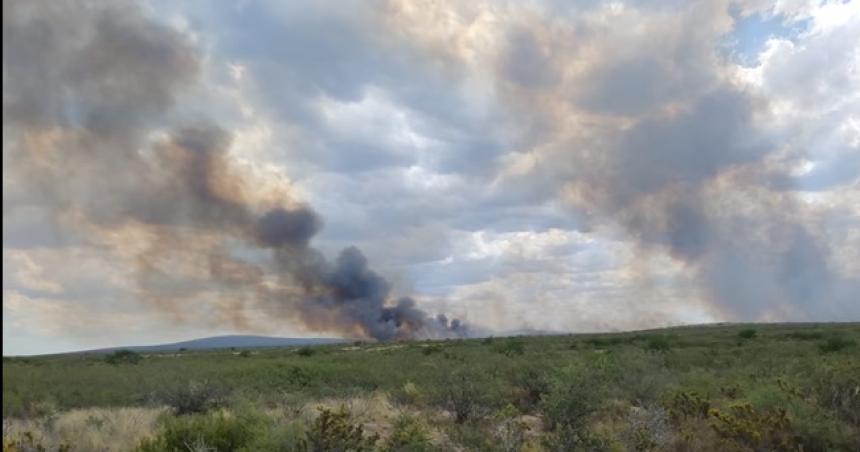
x=90, y=429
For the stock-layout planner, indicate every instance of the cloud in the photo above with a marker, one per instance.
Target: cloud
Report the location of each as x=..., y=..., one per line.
x=540, y=164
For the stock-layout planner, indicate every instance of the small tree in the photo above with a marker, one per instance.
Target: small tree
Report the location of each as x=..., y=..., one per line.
x=332, y=431
x=195, y=397
x=123, y=357
x=748, y=333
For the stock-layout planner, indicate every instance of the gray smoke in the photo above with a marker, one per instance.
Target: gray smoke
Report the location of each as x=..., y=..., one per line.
x=696, y=186
x=85, y=86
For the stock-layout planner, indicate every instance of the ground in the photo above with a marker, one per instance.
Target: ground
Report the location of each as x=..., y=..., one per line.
x=726, y=387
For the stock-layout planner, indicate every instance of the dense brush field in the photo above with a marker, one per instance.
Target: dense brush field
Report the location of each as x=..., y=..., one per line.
x=715, y=388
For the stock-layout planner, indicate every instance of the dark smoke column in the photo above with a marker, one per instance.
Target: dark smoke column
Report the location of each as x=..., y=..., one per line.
x=347, y=295
x=89, y=85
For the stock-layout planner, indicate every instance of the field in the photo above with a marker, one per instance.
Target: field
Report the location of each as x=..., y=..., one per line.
x=729, y=387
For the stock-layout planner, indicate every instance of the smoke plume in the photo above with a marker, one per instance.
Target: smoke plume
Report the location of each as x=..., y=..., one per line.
x=92, y=135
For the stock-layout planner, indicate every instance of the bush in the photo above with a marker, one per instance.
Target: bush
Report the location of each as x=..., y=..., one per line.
x=123, y=357
x=838, y=389
x=306, y=351
x=647, y=429
x=746, y=426
x=462, y=394
x=530, y=385
x=408, y=394
x=245, y=354
x=195, y=397
x=409, y=435
x=26, y=442
x=576, y=393
x=835, y=344
x=658, y=343
x=567, y=439
x=510, y=431
x=748, y=333
x=805, y=335
x=430, y=349
x=510, y=347
x=331, y=430
x=215, y=431
x=687, y=405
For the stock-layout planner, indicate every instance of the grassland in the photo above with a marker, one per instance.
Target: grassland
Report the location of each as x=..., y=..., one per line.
x=734, y=387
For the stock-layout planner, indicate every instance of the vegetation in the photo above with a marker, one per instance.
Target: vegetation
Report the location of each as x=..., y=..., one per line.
x=782, y=387
x=123, y=357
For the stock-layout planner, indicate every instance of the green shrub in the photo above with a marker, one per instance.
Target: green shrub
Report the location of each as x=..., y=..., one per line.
x=306, y=351
x=123, y=357
x=576, y=392
x=837, y=388
x=431, y=349
x=465, y=394
x=510, y=347
x=408, y=394
x=510, y=431
x=748, y=333
x=332, y=431
x=805, y=335
x=757, y=430
x=530, y=384
x=218, y=431
x=409, y=435
x=245, y=354
x=568, y=438
x=684, y=405
x=658, y=343
x=835, y=344
x=195, y=397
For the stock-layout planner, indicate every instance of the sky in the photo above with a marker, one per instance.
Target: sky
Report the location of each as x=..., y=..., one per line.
x=396, y=169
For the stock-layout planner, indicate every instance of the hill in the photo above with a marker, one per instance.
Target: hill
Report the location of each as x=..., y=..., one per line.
x=222, y=342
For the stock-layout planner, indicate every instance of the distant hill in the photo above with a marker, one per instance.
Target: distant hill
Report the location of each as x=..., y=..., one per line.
x=216, y=342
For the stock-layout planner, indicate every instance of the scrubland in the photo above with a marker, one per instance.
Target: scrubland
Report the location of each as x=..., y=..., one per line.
x=712, y=388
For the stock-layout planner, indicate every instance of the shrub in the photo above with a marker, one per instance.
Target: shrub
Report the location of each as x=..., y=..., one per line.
x=408, y=394
x=838, y=389
x=805, y=335
x=409, y=435
x=306, y=351
x=576, y=393
x=510, y=431
x=835, y=344
x=27, y=442
x=510, y=347
x=123, y=357
x=685, y=405
x=748, y=333
x=530, y=385
x=298, y=377
x=647, y=428
x=331, y=430
x=430, y=349
x=245, y=353
x=743, y=425
x=195, y=397
x=219, y=431
x=568, y=438
x=658, y=343
x=461, y=394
